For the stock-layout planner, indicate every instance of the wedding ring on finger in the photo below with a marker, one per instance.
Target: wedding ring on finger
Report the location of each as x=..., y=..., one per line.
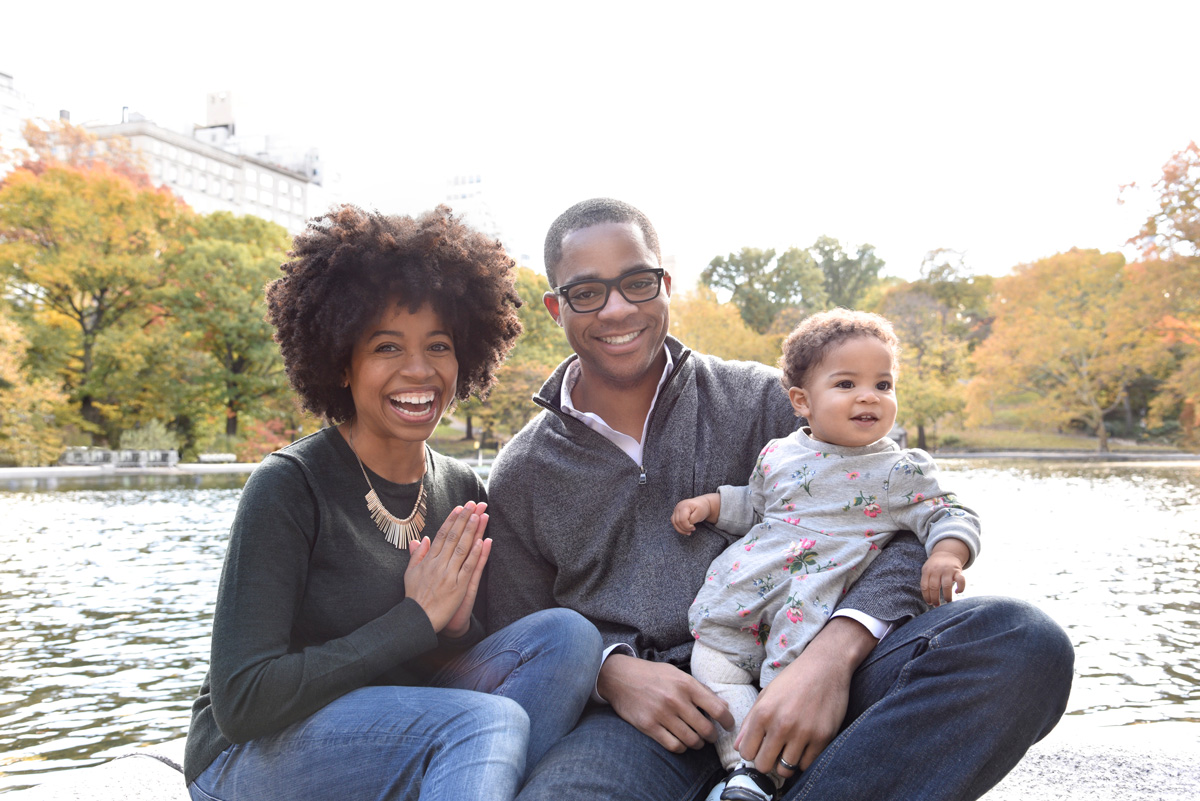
x=787, y=764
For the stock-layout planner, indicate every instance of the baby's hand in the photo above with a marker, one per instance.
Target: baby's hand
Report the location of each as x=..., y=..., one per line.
x=941, y=575
x=690, y=512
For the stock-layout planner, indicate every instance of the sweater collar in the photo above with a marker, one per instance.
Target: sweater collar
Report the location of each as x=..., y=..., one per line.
x=551, y=392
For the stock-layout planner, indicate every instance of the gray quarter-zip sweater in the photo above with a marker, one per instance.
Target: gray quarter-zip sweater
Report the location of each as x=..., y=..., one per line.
x=576, y=523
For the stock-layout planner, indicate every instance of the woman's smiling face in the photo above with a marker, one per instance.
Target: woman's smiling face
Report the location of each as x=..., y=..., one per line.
x=403, y=375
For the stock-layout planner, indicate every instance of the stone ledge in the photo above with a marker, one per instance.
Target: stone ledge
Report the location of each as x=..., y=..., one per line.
x=1155, y=762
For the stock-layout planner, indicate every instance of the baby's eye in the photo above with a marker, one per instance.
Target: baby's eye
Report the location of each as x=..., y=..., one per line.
x=883, y=386
x=845, y=384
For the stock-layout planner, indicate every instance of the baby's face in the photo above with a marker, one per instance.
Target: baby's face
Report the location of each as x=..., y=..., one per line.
x=849, y=399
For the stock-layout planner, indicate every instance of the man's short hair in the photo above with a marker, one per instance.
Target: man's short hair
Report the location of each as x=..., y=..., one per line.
x=587, y=213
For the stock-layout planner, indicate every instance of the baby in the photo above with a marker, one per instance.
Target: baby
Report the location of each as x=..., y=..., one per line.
x=820, y=505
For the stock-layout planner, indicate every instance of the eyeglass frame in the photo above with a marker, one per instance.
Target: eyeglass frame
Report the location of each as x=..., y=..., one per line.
x=609, y=285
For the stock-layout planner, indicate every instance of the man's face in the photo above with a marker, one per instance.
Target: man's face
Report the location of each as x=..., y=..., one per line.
x=622, y=343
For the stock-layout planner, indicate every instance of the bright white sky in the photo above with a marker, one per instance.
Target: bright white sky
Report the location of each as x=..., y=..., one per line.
x=1002, y=129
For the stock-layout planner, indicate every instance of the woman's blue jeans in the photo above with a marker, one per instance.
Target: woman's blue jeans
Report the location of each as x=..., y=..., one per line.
x=471, y=734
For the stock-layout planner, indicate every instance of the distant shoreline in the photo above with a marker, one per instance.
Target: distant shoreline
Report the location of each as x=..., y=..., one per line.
x=14, y=474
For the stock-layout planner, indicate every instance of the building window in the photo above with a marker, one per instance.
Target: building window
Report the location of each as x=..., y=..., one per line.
x=264, y=181
x=251, y=194
x=229, y=191
x=251, y=176
x=186, y=178
x=201, y=182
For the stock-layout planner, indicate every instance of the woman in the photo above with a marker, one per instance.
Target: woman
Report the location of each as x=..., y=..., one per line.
x=346, y=658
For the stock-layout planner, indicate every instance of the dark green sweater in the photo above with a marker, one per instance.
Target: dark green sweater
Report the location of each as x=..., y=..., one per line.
x=311, y=602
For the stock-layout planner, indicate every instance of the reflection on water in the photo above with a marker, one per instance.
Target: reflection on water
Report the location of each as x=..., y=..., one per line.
x=105, y=596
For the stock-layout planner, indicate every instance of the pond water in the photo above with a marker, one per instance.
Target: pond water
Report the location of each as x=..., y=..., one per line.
x=106, y=592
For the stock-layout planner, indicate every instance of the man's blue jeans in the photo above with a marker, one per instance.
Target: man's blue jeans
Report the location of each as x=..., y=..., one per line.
x=941, y=710
x=469, y=735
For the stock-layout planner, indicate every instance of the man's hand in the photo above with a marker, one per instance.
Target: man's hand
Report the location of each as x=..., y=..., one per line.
x=662, y=702
x=801, y=710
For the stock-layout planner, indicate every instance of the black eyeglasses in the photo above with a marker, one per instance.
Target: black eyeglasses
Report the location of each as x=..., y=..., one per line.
x=591, y=294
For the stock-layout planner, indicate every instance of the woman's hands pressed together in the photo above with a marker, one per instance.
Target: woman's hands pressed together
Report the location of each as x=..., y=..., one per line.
x=443, y=575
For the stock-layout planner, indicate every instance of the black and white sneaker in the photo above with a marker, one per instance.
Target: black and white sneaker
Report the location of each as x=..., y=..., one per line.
x=747, y=784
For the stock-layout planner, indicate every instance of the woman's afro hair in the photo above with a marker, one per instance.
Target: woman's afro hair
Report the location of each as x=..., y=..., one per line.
x=349, y=264
x=810, y=342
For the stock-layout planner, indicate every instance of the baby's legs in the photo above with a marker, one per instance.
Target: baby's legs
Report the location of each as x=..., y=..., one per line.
x=735, y=687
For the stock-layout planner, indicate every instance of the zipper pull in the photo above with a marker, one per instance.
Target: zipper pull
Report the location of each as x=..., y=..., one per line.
x=642, y=475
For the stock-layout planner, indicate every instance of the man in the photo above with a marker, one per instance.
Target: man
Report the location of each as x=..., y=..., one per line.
x=940, y=708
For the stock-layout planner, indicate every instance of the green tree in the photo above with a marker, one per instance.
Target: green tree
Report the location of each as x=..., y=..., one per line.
x=84, y=250
x=847, y=278
x=221, y=269
x=1070, y=336
x=932, y=356
x=761, y=285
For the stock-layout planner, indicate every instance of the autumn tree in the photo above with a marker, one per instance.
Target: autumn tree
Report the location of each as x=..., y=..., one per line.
x=220, y=271
x=1170, y=245
x=708, y=326
x=537, y=352
x=83, y=250
x=31, y=409
x=1069, y=338
x=762, y=285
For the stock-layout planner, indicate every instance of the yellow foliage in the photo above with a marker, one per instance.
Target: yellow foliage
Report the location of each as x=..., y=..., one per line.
x=705, y=325
x=29, y=430
x=1071, y=333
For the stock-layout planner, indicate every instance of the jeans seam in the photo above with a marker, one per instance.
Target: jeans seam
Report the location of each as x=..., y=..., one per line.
x=900, y=683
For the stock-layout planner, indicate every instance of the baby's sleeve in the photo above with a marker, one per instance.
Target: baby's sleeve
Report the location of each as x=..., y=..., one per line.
x=919, y=503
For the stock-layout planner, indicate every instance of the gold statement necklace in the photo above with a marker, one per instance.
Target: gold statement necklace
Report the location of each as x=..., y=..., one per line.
x=398, y=532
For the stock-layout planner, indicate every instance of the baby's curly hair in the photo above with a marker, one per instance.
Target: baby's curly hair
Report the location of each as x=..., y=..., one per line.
x=810, y=342
x=348, y=264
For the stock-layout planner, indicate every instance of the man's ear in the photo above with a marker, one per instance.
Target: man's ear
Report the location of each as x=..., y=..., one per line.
x=667, y=283
x=550, y=299
x=799, y=401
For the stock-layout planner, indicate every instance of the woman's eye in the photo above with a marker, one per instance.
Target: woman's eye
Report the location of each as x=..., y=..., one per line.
x=441, y=347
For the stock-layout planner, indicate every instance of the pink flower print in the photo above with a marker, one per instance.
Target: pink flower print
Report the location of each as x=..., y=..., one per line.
x=917, y=498
x=869, y=532
x=791, y=507
x=783, y=640
x=775, y=664
x=853, y=474
x=795, y=615
x=873, y=547
x=872, y=510
x=735, y=566
x=742, y=610
x=806, y=544
x=795, y=521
